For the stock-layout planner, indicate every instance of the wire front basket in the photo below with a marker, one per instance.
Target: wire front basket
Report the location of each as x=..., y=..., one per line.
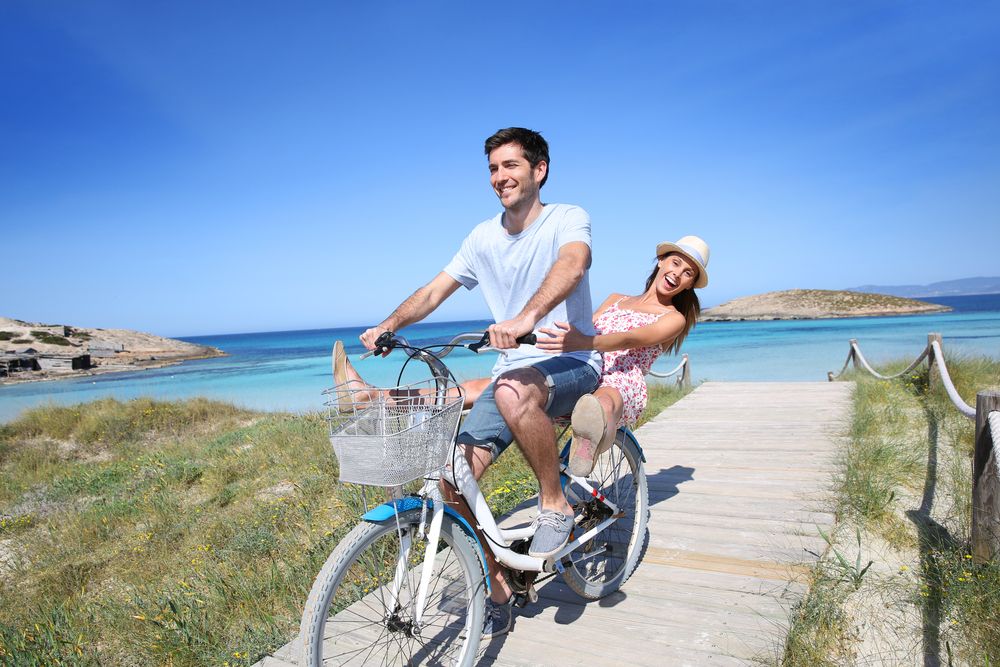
x=387, y=437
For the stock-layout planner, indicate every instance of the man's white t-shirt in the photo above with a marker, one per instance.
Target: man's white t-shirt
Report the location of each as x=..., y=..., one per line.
x=509, y=268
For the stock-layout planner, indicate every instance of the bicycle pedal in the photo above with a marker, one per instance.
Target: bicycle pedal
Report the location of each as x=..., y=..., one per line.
x=522, y=600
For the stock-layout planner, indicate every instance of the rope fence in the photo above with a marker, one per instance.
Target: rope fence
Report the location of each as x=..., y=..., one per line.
x=684, y=368
x=935, y=360
x=986, y=461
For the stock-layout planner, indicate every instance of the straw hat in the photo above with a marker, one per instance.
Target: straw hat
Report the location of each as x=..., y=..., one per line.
x=695, y=250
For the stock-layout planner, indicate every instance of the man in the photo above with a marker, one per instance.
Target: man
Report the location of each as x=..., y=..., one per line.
x=531, y=261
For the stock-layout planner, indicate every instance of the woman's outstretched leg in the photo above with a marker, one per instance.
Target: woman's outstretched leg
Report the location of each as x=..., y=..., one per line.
x=595, y=421
x=351, y=391
x=354, y=392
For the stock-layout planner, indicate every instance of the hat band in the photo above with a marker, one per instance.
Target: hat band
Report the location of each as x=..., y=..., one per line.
x=695, y=255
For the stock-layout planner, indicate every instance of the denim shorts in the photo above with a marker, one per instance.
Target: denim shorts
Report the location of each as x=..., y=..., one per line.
x=567, y=379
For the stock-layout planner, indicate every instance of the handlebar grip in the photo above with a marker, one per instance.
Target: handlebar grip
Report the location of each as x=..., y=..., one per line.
x=526, y=339
x=383, y=345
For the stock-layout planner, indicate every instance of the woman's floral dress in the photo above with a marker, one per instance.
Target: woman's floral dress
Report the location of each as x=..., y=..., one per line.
x=625, y=369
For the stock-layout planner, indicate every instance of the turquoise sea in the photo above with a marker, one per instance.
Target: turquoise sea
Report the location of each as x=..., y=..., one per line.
x=287, y=370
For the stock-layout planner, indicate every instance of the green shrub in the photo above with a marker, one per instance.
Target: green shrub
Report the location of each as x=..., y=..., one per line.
x=49, y=338
x=898, y=427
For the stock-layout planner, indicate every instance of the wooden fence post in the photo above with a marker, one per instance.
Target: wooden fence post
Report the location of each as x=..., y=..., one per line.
x=985, y=483
x=854, y=353
x=933, y=372
x=685, y=380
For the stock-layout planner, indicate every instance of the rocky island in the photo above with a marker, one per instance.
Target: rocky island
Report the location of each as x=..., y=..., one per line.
x=803, y=304
x=32, y=351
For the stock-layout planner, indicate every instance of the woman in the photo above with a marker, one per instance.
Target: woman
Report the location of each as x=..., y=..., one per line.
x=632, y=331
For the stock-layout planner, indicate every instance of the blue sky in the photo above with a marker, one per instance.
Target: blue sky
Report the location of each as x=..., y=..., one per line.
x=211, y=167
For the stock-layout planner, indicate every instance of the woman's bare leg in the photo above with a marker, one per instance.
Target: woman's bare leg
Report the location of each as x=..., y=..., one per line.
x=611, y=402
x=473, y=389
x=359, y=393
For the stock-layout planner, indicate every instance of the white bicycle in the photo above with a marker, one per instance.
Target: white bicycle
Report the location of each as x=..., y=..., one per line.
x=407, y=585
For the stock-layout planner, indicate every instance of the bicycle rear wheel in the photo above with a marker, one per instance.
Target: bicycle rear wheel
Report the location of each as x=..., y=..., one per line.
x=602, y=565
x=352, y=618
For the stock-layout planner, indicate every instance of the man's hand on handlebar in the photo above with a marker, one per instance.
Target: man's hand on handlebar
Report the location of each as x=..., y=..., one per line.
x=526, y=339
x=504, y=335
x=370, y=337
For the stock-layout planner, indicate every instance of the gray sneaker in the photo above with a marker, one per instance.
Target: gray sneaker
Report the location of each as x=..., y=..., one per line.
x=498, y=619
x=552, y=531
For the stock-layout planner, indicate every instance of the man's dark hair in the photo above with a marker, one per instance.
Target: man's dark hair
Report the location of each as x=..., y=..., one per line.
x=534, y=147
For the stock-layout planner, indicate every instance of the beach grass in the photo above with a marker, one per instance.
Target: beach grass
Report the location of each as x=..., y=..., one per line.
x=905, y=487
x=180, y=533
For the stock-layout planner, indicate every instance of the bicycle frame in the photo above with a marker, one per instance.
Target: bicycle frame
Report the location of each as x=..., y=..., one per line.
x=499, y=540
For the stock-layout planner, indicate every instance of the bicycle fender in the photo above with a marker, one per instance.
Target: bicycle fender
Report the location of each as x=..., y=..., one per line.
x=624, y=429
x=388, y=510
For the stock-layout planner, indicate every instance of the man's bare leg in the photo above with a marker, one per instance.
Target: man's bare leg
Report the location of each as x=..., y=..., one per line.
x=520, y=396
x=479, y=460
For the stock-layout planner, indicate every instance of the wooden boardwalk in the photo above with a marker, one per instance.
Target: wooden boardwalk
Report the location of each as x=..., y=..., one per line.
x=740, y=476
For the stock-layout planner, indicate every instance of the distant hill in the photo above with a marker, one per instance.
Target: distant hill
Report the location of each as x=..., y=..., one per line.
x=808, y=304
x=108, y=350
x=958, y=287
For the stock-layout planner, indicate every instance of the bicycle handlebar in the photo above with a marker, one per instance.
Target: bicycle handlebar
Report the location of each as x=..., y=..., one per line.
x=526, y=339
x=388, y=341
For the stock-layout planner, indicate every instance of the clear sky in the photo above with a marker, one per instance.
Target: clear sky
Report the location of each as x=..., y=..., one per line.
x=212, y=167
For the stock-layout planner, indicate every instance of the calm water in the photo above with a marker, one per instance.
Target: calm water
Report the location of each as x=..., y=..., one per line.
x=287, y=370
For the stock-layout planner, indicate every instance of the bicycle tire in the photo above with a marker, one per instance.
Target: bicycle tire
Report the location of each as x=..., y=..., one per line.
x=347, y=620
x=600, y=567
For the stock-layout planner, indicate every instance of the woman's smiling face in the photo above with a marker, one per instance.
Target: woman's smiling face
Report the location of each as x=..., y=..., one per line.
x=677, y=274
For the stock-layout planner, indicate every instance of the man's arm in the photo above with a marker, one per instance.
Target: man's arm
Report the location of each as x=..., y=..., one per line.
x=417, y=306
x=565, y=274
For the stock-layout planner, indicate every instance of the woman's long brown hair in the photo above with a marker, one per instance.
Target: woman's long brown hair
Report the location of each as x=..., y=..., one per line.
x=685, y=302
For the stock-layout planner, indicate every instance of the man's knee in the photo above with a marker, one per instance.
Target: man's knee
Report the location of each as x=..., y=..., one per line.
x=518, y=390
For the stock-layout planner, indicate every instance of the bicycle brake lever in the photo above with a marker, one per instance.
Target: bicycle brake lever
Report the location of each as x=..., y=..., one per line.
x=480, y=344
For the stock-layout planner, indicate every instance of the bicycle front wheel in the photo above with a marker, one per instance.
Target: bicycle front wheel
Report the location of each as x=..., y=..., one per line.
x=361, y=607
x=601, y=566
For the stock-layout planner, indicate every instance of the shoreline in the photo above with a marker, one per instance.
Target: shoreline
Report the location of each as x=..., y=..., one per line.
x=289, y=373
x=27, y=377
x=36, y=352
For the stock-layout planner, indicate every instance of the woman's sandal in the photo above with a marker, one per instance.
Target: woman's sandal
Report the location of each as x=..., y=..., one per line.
x=589, y=433
x=340, y=377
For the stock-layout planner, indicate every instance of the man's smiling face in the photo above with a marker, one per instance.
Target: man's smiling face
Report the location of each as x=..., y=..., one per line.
x=513, y=178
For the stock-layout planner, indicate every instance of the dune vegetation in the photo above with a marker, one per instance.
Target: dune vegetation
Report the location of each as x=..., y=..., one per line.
x=174, y=533
x=898, y=584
